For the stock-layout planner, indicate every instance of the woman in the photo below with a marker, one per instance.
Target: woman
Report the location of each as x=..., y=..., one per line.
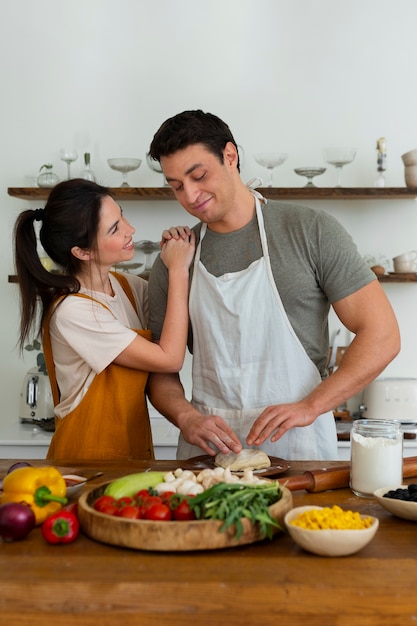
x=93, y=322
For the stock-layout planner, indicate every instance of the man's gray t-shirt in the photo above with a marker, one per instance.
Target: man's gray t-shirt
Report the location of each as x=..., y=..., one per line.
x=314, y=262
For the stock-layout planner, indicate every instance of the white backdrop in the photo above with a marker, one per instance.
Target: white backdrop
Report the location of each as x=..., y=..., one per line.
x=287, y=75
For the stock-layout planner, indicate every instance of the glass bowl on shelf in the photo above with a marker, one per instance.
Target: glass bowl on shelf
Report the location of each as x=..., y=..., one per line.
x=124, y=165
x=145, y=254
x=309, y=173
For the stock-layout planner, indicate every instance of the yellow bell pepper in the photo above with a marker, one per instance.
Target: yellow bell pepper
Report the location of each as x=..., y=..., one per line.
x=42, y=488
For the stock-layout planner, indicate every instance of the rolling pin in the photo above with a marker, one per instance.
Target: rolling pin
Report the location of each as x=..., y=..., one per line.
x=336, y=477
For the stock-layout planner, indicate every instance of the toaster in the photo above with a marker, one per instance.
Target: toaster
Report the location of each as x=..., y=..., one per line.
x=36, y=403
x=391, y=399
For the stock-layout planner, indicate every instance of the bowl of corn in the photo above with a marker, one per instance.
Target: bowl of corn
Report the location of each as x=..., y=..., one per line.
x=330, y=531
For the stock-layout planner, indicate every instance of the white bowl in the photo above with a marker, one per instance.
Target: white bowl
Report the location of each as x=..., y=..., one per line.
x=329, y=542
x=74, y=484
x=400, y=508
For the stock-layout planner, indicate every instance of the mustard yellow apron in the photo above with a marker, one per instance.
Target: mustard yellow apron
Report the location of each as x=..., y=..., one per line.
x=112, y=420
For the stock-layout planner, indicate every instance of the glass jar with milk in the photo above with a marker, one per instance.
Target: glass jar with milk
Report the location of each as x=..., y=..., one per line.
x=376, y=455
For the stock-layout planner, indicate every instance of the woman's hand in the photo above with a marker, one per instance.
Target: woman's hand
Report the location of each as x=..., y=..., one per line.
x=175, y=232
x=178, y=251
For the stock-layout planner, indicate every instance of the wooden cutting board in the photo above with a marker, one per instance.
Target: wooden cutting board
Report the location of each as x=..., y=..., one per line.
x=168, y=536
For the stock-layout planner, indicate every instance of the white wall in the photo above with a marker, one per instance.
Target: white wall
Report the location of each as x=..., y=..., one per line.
x=290, y=75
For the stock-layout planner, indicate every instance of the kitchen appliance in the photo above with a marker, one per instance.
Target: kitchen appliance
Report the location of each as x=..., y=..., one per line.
x=36, y=404
x=391, y=399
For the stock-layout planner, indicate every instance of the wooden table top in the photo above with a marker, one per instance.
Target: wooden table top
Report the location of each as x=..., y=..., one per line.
x=267, y=583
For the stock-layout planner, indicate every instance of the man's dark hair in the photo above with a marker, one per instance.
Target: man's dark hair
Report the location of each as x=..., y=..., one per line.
x=188, y=128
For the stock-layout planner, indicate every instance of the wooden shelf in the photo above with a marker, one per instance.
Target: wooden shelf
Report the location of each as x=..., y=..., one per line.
x=339, y=193
x=273, y=193
x=387, y=278
x=119, y=193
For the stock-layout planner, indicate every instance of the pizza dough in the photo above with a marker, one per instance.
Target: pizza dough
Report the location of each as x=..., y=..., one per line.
x=248, y=458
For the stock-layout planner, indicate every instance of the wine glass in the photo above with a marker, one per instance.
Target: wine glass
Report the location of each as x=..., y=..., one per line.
x=309, y=173
x=339, y=157
x=124, y=165
x=155, y=166
x=270, y=160
x=69, y=156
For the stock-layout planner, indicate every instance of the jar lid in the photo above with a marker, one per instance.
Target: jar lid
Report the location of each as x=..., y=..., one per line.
x=375, y=428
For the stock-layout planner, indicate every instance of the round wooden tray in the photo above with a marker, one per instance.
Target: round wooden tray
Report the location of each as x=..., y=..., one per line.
x=169, y=536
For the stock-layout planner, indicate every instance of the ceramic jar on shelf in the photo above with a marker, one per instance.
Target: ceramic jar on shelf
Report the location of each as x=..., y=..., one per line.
x=410, y=168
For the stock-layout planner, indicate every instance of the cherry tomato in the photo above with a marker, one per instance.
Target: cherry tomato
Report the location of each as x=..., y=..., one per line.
x=183, y=512
x=124, y=501
x=166, y=497
x=143, y=494
x=104, y=501
x=145, y=503
x=109, y=509
x=158, y=512
x=129, y=511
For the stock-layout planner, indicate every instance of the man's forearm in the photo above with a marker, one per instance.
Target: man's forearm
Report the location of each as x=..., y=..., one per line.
x=166, y=394
x=360, y=365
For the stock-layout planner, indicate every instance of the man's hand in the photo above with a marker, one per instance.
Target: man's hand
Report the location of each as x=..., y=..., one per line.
x=276, y=420
x=203, y=430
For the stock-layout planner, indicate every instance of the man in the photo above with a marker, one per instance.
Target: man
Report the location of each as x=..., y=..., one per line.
x=263, y=280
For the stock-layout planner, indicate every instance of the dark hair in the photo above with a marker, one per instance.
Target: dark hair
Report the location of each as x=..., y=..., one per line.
x=70, y=218
x=188, y=128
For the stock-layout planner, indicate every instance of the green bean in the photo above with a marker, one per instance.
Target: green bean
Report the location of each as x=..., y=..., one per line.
x=230, y=502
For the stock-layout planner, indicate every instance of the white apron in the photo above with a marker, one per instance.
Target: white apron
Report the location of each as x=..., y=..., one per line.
x=247, y=357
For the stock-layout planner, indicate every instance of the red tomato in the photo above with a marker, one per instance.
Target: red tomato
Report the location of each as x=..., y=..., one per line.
x=129, y=511
x=183, y=512
x=166, y=497
x=143, y=494
x=125, y=501
x=158, y=513
x=109, y=509
x=104, y=502
x=146, y=503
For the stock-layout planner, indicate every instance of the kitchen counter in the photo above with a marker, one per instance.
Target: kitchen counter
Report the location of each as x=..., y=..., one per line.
x=27, y=441
x=267, y=583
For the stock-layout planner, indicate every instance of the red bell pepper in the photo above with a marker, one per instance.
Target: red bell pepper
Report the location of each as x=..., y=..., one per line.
x=61, y=527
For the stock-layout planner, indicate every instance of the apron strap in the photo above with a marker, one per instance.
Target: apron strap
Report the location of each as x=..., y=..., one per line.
x=124, y=283
x=46, y=337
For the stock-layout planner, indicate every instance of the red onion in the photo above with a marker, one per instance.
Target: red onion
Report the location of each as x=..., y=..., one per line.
x=16, y=521
x=13, y=467
x=17, y=465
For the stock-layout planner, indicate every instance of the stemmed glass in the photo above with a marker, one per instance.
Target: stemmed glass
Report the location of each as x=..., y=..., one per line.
x=69, y=156
x=270, y=160
x=150, y=250
x=155, y=166
x=309, y=173
x=339, y=157
x=124, y=165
